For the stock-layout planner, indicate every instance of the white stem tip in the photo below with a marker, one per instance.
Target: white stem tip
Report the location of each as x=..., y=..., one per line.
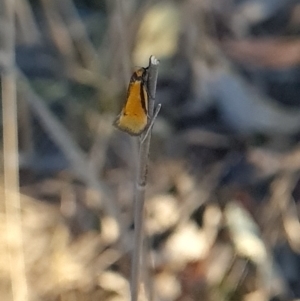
x=154, y=60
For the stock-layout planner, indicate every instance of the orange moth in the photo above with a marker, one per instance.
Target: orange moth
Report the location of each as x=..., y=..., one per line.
x=133, y=118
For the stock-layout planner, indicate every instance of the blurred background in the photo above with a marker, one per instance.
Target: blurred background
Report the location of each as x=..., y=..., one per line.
x=222, y=208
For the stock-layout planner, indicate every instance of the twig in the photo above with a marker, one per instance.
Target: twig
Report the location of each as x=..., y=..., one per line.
x=78, y=160
x=78, y=34
x=100, y=144
x=70, y=36
x=116, y=37
x=122, y=31
x=28, y=25
x=59, y=33
x=11, y=156
x=141, y=186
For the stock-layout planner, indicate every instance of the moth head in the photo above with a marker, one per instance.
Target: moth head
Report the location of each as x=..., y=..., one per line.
x=140, y=74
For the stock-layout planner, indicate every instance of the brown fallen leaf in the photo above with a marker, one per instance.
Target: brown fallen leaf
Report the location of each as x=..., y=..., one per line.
x=271, y=52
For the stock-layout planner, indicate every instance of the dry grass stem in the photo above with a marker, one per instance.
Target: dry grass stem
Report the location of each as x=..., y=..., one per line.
x=11, y=160
x=141, y=187
x=78, y=160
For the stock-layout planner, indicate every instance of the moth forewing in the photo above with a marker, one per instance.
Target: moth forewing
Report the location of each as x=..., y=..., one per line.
x=133, y=118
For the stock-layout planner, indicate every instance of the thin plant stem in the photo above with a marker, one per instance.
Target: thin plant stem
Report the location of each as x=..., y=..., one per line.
x=11, y=159
x=77, y=158
x=141, y=187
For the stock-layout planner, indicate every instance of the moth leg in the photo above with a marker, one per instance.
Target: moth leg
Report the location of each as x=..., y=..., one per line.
x=157, y=109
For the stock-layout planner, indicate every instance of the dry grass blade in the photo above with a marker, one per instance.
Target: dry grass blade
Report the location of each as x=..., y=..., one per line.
x=78, y=160
x=28, y=26
x=11, y=163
